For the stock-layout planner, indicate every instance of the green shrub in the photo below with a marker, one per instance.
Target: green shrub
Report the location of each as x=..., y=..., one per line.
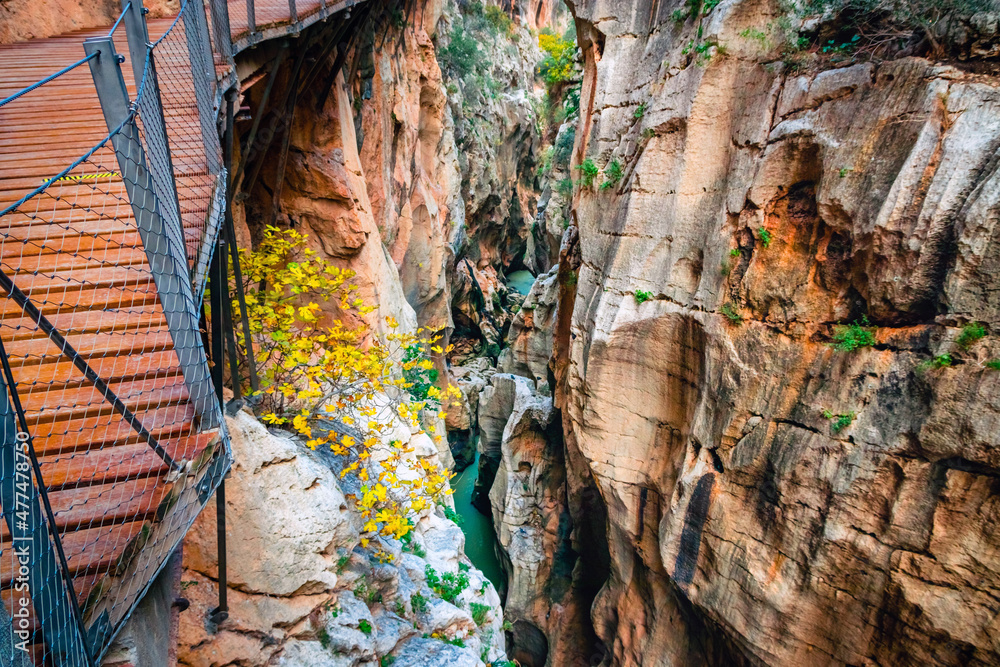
x=452, y=515
x=498, y=19
x=560, y=55
x=480, y=613
x=448, y=585
x=840, y=421
x=461, y=57
x=971, y=332
x=642, y=296
x=729, y=310
x=993, y=364
x=564, y=148
x=940, y=361
x=765, y=236
x=849, y=337
x=387, y=660
x=419, y=603
x=565, y=187
x=612, y=174
x=589, y=172
x=365, y=626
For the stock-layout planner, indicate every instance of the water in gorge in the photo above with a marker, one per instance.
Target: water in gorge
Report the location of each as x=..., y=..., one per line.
x=521, y=281
x=480, y=540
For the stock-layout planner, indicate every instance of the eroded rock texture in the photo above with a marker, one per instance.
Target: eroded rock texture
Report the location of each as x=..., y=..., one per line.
x=303, y=593
x=744, y=526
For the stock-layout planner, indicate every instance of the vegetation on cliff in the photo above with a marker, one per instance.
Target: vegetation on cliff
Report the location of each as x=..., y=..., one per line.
x=339, y=387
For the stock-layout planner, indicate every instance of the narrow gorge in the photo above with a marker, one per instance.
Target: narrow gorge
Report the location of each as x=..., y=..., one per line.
x=582, y=333
x=714, y=281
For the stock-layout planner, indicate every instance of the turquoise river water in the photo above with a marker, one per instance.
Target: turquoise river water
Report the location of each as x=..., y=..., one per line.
x=480, y=540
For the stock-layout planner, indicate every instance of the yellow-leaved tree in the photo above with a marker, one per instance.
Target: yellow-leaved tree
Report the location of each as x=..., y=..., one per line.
x=341, y=387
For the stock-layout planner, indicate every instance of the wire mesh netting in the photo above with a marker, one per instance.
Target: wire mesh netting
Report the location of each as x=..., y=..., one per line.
x=113, y=439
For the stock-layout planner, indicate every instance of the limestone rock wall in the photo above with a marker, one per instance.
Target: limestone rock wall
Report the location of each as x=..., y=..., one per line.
x=744, y=525
x=301, y=590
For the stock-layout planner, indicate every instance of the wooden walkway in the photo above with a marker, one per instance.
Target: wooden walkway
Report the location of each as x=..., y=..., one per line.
x=75, y=251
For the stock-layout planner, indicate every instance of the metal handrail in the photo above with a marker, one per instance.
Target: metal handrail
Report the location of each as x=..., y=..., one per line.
x=120, y=17
x=51, y=77
x=50, y=516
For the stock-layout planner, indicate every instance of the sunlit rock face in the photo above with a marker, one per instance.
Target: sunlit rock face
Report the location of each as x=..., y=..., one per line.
x=745, y=525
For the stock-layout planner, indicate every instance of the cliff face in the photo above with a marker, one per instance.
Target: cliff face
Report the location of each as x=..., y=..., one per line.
x=763, y=201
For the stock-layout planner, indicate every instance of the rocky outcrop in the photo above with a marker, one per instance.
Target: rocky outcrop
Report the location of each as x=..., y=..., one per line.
x=763, y=202
x=529, y=340
x=303, y=592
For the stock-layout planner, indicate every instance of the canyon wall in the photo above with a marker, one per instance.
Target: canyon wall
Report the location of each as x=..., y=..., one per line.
x=774, y=498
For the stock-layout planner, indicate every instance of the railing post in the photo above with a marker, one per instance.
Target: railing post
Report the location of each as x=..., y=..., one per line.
x=144, y=74
x=203, y=74
x=165, y=252
x=292, y=14
x=221, y=30
x=52, y=596
x=251, y=22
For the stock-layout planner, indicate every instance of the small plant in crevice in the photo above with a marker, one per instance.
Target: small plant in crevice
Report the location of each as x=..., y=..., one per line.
x=764, y=236
x=324, y=638
x=679, y=15
x=640, y=111
x=850, y=337
x=648, y=133
x=387, y=660
x=342, y=563
x=993, y=364
x=565, y=187
x=729, y=310
x=410, y=546
x=756, y=35
x=838, y=422
x=641, y=296
x=971, y=333
x=612, y=174
x=588, y=172
x=365, y=626
x=843, y=171
x=725, y=268
x=418, y=603
x=480, y=613
x=452, y=515
x=735, y=252
x=507, y=626
x=940, y=361
x=448, y=585
x=400, y=608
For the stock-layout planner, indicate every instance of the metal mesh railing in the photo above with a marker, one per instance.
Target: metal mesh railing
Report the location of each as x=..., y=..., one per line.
x=113, y=438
